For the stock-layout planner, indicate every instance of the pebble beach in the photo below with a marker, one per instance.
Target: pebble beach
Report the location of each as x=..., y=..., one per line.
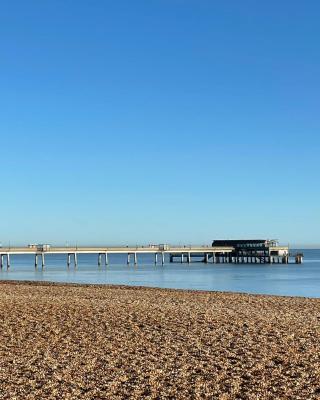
x=65, y=341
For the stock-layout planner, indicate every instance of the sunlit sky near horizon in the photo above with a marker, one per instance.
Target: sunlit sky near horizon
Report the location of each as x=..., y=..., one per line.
x=136, y=122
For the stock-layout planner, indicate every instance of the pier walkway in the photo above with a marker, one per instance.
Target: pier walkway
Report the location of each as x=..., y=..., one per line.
x=185, y=253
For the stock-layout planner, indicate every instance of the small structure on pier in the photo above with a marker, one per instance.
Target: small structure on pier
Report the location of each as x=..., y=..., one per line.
x=39, y=247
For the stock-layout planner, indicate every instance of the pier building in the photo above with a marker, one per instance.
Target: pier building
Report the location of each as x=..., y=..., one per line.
x=256, y=250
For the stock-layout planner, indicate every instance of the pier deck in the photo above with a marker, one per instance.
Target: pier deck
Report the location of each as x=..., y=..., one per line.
x=116, y=250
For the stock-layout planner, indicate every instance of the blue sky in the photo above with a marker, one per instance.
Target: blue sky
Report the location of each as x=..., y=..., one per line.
x=159, y=121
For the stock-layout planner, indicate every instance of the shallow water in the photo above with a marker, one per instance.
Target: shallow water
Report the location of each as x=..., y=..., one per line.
x=278, y=279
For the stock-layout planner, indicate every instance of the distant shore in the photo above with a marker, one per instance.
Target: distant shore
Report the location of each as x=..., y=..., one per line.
x=73, y=341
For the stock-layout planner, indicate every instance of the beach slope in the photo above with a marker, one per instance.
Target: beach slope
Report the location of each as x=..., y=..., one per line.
x=102, y=342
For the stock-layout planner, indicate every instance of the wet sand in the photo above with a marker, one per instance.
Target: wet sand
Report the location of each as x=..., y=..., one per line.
x=102, y=342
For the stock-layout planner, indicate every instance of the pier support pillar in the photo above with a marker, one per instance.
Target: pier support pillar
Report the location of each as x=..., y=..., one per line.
x=99, y=259
x=189, y=257
x=8, y=261
x=206, y=258
x=162, y=258
x=135, y=259
x=68, y=259
x=128, y=259
x=1, y=261
x=42, y=260
x=106, y=259
x=36, y=261
x=182, y=258
x=155, y=258
x=213, y=258
x=75, y=260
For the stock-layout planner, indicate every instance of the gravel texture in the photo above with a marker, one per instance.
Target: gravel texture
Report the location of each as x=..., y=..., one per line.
x=102, y=342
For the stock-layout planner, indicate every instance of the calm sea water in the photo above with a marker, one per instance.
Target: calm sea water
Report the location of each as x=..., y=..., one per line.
x=288, y=280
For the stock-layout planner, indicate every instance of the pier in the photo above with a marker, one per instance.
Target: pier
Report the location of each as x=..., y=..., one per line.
x=230, y=251
x=160, y=253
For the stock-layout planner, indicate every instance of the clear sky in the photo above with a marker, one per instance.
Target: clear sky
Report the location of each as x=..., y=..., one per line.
x=176, y=121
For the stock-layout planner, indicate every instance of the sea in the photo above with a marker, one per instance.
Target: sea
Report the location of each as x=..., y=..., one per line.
x=274, y=279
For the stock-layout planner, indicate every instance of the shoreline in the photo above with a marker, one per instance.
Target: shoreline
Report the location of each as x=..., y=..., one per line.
x=120, y=286
x=83, y=341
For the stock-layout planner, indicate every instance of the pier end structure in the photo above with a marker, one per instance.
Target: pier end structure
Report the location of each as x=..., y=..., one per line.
x=256, y=250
